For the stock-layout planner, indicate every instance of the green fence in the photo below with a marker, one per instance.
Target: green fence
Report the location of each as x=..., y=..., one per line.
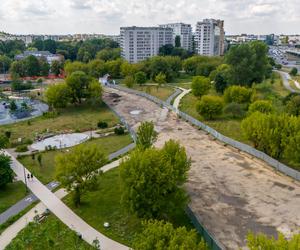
x=210, y=241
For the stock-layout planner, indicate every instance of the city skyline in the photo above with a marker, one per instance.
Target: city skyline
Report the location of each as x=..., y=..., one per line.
x=102, y=16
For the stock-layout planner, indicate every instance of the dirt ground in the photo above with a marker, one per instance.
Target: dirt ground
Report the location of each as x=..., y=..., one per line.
x=231, y=192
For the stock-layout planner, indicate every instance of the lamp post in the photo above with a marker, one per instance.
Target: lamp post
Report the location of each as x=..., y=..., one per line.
x=25, y=179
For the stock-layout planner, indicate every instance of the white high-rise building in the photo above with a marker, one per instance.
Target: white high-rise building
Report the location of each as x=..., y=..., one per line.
x=184, y=31
x=210, y=37
x=140, y=43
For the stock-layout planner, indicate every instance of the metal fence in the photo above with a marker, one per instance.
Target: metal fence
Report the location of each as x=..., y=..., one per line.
x=209, y=239
x=241, y=146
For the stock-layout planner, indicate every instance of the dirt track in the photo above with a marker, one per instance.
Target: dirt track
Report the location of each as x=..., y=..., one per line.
x=230, y=191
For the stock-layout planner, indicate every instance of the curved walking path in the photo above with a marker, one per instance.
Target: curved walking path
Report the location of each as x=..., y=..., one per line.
x=179, y=97
x=286, y=78
x=62, y=211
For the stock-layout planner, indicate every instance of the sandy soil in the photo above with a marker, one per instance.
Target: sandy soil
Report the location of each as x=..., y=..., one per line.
x=231, y=192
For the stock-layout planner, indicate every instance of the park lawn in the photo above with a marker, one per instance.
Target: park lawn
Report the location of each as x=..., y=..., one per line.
x=50, y=234
x=46, y=172
x=71, y=119
x=11, y=194
x=163, y=92
x=103, y=205
x=228, y=127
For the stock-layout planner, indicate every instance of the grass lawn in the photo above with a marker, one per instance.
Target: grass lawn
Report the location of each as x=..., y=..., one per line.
x=51, y=234
x=162, y=92
x=71, y=119
x=103, y=205
x=11, y=194
x=46, y=172
x=227, y=127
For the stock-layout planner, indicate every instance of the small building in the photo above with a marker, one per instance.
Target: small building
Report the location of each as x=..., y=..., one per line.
x=41, y=54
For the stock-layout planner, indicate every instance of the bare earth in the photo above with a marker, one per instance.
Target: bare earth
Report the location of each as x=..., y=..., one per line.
x=231, y=192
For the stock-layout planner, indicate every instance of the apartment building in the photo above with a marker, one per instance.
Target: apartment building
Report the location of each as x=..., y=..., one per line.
x=184, y=31
x=140, y=43
x=210, y=37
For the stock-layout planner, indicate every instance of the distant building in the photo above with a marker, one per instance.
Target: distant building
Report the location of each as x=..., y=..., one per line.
x=184, y=31
x=140, y=43
x=210, y=37
x=40, y=54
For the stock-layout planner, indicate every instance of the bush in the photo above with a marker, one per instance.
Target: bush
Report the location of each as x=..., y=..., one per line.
x=278, y=66
x=40, y=80
x=200, y=86
x=293, y=106
x=210, y=107
x=102, y=124
x=22, y=148
x=234, y=110
x=294, y=72
x=261, y=106
x=119, y=131
x=129, y=81
x=238, y=94
x=140, y=78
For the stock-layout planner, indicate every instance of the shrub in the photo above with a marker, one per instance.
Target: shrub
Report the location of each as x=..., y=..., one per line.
x=294, y=71
x=22, y=148
x=200, y=86
x=261, y=106
x=293, y=106
x=278, y=66
x=40, y=80
x=238, y=94
x=234, y=110
x=140, y=77
x=210, y=106
x=129, y=81
x=102, y=124
x=119, y=131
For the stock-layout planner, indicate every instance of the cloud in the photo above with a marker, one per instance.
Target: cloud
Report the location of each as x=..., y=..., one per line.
x=106, y=16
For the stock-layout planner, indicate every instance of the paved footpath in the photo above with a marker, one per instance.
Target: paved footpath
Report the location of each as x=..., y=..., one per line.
x=63, y=212
x=29, y=199
x=286, y=78
x=178, y=98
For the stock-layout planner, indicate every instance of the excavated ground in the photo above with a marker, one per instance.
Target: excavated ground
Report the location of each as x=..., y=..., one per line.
x=231, y=192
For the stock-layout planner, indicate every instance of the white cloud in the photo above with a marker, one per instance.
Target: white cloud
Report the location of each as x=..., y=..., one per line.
x=106, y=16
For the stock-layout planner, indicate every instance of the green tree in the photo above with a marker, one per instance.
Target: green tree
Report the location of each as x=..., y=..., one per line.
x=153, y=180
x=261, y=241
x=294, y=71
x=32, y=66
x=58, y=95
x=18, y=68
x=200, y=86
x=78, y=169
x=129, y=81
x=44, y=67
x=238, y=94
x=6, y=173
x=56, y=67
x=262, y=106
x=293, y=106
x=94, y=92
x=114, y=68
x=210, y=107
x=140, y=78
x=129, y=69
x=162, y=235
x=13, y=106
x=109, y=54
x=201, y=65
x=146, y=135
x=177, y=42
x=160, y=79
x=78, y=82
x=71, y=67
x=39, y=158
x=5, y=63
x=96, y=68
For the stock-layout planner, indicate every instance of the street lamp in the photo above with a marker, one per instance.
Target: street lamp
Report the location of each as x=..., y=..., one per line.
x=25, y=179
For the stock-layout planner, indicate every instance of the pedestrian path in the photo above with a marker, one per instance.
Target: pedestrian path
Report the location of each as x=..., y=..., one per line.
x=179, y=97
x=63, y=212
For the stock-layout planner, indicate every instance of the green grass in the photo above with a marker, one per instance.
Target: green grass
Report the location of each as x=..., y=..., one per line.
x=162, y=92
x=46, y=172
x=11, y=194
x=227, y=127
x=51, y=234
x=70, y=119
x=103, y=205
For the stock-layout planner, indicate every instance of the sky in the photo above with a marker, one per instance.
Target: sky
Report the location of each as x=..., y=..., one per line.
x=106, y=16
